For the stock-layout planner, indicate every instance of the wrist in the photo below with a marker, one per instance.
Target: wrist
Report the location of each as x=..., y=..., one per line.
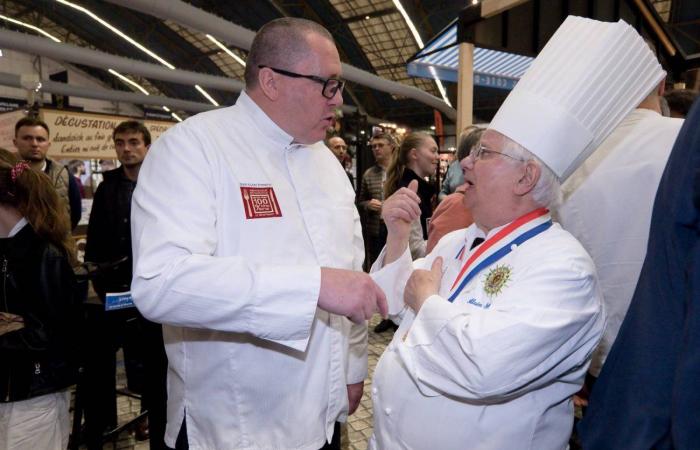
x=395, y=247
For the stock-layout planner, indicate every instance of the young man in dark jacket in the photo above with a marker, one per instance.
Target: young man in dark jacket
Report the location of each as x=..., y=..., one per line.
x=116, y=325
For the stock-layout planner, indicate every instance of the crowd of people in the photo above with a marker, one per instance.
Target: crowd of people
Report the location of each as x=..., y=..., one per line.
x=236, y=266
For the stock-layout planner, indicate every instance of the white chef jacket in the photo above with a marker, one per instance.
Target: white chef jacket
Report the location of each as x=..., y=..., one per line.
x=607, y=207
x=488, y=371
x=253, y=363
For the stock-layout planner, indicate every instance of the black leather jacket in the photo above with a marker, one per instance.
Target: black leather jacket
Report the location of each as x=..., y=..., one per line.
x=38, y=284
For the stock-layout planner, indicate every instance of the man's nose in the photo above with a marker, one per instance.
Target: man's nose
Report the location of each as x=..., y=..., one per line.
x=468, y=162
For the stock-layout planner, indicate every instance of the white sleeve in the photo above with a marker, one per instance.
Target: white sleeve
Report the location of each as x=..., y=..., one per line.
x=416, y=243
x=357, y=339
x=392, y=278
x=178, y=280
x=548, y=326
x=357, y=369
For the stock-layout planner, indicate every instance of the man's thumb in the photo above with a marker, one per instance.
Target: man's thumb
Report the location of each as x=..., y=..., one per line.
x=413, y=185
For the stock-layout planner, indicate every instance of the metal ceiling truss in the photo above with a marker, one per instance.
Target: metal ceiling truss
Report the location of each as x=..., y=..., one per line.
x=379, y=44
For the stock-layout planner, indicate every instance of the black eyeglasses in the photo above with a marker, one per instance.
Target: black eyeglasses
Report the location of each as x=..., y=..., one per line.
x=479, y=152
x=331, y=86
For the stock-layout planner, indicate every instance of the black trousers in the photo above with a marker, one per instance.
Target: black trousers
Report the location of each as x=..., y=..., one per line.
x=146, y=370
x=107, y=333
x=155, y=386
x=181, y=442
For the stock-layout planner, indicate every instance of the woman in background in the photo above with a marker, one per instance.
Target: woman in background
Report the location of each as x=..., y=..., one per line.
x=416, y=159
x=38, y=312
x=451, y=214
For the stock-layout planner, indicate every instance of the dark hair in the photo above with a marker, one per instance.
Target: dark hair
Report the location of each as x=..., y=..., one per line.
x=280, y=43
x=468, y=139
x=330, y=136
x=680, y=100
x=31, y=122
x=73, y=165
x=398, y=163
x=133, y=126
x=33, y=195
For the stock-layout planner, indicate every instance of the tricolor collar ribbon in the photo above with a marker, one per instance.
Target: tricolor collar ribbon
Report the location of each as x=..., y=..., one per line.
x=499, y=245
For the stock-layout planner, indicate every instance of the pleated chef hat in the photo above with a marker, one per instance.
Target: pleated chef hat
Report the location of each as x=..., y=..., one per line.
x=587, y=78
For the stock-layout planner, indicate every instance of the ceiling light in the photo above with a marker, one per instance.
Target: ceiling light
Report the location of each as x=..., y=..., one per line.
x=440, y=87
x=206, y=95
x=128, y=81
x=117, y=32
x=226, y=49
x=419, y=41
x=31, y=27
x=411, y=27
x=55, y=39
x=432, y=127
x=165, y=108
x=176, y=117
x=367, y=17
x=132, y=42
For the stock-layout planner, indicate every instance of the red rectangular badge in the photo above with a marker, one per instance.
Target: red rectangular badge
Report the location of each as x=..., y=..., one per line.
x=260, y=202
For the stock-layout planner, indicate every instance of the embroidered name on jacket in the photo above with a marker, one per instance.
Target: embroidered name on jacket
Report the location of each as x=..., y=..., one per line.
x=260, y=201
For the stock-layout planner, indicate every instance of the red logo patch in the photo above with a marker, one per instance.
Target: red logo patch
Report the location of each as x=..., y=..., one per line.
x=260, y=202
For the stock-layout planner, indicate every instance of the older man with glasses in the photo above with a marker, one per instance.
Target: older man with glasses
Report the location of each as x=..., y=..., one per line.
x=499, y=321
x=248, y=248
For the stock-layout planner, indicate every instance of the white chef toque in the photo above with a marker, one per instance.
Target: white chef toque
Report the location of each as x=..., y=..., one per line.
x=587, y=78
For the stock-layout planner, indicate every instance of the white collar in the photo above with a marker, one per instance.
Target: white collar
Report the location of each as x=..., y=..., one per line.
x=267, y=126
x=18, y=226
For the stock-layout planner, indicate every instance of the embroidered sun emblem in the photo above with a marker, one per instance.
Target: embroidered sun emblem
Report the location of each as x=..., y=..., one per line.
x=497, y=279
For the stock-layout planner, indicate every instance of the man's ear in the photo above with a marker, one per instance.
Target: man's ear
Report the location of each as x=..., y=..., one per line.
x=267, y=83
x=528, y=180
x=661, y=88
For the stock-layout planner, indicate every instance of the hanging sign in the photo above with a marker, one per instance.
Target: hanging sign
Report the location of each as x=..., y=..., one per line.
x=78, y=135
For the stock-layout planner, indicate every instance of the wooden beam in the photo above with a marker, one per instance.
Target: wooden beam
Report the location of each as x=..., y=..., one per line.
x=492, y=7
x=660, y=33
x=465, y=87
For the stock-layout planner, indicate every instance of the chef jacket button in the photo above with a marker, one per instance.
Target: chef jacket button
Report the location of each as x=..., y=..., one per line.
x=513, y=247
x=387, y=411
x=374, y=390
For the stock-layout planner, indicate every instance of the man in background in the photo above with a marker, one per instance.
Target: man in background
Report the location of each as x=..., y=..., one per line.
x=32, y=143
x=371, y=195
x=607, y=207
x=339, y=148
x=109, y=241
x=646, y=395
